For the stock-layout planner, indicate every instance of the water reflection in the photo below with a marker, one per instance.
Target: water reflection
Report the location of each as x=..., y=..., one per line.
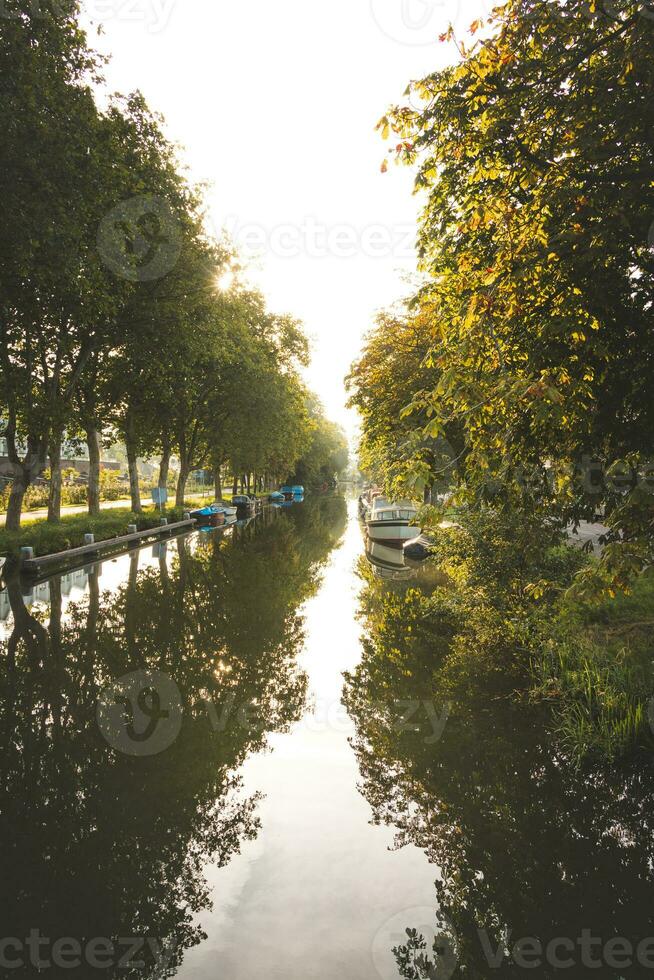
x=101, y=846
x=526, y=849
x=387, y=562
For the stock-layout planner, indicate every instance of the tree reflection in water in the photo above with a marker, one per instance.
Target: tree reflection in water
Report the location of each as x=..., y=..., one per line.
x=525, y=844
x=99, y=844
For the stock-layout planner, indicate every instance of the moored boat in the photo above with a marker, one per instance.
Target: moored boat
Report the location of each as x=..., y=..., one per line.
x=230, y=509
x=295, y=492
x=247, y=506
x=211, y=516
x=366, y=500
x=390, y=521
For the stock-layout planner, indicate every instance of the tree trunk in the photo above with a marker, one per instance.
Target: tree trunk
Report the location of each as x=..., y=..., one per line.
x=235, y=487
x=134, y=489
x=218, y=483
x=15, y=505
x=164, y=467
x=246, y=483
x=93, y=491
x=54, y=498
x=24, y=473
x=184, y=472
x=132, y=465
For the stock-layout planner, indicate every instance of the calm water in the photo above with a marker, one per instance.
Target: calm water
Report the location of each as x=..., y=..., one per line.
x=227, y=758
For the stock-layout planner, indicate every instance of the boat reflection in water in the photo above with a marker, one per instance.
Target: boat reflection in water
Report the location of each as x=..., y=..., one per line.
x=388, y=562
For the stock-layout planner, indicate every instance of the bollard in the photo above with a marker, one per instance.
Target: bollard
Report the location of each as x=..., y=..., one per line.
x=164, y=522
x=131, y=528
x=89, y=539
x=26, y=554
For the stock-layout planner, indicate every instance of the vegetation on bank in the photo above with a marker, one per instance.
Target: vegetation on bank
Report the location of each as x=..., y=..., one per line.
x=516, y=382
x=73, y=491
x=123, y=320
x=588, y=661
x=48, y=538
x=595, y=668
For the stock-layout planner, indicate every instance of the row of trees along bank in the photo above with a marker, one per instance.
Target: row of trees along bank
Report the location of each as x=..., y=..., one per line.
x=113, y=320
x=522, y=367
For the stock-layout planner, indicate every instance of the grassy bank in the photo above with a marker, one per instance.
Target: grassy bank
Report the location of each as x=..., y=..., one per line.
x=596, y=670
x=46, y=538
x=508, y=626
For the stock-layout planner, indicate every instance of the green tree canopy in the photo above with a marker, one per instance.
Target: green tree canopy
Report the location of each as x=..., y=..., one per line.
x=536, y=166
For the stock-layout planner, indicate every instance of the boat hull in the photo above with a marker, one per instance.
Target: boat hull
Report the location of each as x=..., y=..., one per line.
x=392, y=532
x=209, y=520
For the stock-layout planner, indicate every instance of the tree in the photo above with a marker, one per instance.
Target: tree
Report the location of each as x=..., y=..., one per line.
x=156, y=241
x=112, y=321
x=268, y=424
x=327, y=454
x=54, y=291
x=392, y=371
x=537, y=166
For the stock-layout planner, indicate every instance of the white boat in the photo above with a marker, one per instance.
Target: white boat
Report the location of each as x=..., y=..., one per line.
x=390, y=521
x=229, y=510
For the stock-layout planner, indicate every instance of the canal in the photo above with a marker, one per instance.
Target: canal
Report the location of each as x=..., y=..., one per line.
x=230, y=756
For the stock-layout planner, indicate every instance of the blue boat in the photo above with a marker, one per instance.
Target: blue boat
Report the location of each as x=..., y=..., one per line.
x=295, y=493
x=211, y=516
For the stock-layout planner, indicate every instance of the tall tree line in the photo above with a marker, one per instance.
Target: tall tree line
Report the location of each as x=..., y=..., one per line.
x=535, y=166
x=112, y=319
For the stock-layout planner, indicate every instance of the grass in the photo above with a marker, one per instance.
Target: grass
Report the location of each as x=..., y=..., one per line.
x=597, y=669
x=28, y=514
x=46, y=538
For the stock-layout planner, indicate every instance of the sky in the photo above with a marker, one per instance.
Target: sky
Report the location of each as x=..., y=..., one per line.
x=274, y=104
